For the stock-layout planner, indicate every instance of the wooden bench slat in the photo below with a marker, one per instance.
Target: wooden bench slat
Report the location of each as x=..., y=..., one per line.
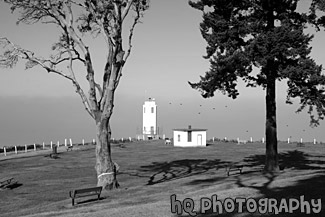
x=85, y=192
x=5, y=182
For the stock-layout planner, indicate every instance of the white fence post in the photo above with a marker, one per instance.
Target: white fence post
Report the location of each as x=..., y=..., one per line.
x=130, y=139
x=5, y=151
x=251, y=139
x=213, y=139
x=70, y=142
x=314, y=141
x=301, y=140
x=16, y=149
x=263, y=140
x=288, y=140
x=65, y=142
x=58, y=144
x=25, y=148
x=83, y=142
x=51, y=145
x=238, y=140
x=43, y=146
x=34, y=147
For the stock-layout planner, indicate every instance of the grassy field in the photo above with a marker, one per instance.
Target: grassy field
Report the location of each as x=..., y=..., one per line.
x=150, y=172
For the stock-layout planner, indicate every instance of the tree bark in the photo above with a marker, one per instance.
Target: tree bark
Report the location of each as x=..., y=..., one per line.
x=271, y=159
x=271, y=154
x=105, y=168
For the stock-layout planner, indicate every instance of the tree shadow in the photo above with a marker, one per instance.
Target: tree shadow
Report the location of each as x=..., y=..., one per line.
x=310, y=190
x=291, y=159
x=207, y=181
x=168, y=171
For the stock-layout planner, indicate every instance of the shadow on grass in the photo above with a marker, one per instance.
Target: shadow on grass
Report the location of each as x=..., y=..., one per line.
x=312, y=188
x=88, y=201
x=304, y=190
x=207, y=181
x=53, y=156
x=168, y=171
x=15, y=185
x=291, y=159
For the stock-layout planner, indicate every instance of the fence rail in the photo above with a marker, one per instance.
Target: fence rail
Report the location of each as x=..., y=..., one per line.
x=17, y=149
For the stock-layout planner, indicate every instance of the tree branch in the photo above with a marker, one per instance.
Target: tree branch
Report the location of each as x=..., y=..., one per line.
x=88, y=62
x=127, y=8
x=14, y=52
x=78, y=88
x=135, y=22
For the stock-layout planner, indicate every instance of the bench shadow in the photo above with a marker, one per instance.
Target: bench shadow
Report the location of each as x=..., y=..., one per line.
x=86, y=201
x=13, y=186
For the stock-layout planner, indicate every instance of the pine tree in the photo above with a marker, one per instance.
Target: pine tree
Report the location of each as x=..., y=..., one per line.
x=267, y=35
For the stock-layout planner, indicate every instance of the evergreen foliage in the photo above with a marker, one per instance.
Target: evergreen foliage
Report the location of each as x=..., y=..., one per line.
x=268, y=35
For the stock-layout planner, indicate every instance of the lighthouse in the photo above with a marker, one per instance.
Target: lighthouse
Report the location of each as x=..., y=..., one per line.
x=149, y=123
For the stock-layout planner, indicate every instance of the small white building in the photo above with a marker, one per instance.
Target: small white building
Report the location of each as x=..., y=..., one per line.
x=190, y=137
x=149, y=128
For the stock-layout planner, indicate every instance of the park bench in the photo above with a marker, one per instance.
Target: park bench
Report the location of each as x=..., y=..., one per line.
x=234, y=167
x=168, y=141
x=70, y=148
x=6, y=182
x=85, y=192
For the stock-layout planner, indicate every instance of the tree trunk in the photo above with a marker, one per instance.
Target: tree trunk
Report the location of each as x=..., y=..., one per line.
x=106, y=171
x=271, y=160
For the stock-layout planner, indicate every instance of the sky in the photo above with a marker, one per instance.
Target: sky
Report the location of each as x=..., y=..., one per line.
x=37, y=107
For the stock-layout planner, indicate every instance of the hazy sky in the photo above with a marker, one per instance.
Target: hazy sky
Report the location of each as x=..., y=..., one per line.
x=36, y=106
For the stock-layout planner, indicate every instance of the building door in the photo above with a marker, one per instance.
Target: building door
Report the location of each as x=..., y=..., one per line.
x=199, y=139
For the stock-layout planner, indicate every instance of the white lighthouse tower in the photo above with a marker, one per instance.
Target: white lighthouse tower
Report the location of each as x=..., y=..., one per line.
x=149, y=127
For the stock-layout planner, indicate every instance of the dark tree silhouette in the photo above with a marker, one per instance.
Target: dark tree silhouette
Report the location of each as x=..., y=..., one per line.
x=267, y=35
x=74, y=19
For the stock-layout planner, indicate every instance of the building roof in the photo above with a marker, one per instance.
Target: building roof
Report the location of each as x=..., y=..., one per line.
x=193, y=129
x=189, y=129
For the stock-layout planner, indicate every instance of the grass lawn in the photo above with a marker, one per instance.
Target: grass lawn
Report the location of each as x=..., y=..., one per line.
x=150, y=172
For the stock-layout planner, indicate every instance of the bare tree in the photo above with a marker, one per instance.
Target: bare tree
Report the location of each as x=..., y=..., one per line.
x=75, y=19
